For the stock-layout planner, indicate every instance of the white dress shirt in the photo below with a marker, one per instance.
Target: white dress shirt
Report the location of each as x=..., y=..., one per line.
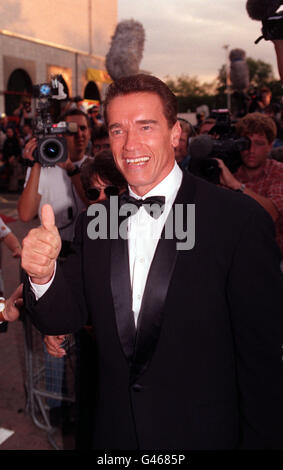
x=143, y=235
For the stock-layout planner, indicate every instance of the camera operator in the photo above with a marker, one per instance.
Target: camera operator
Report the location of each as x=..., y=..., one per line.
x=24, y=113
x=259, y=176
x=59, y=185
x=260, y=101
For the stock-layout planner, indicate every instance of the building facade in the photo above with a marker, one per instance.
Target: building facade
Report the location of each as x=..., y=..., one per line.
x=40, y=38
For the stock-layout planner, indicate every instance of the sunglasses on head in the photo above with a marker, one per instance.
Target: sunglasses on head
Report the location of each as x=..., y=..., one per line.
x=93, y=194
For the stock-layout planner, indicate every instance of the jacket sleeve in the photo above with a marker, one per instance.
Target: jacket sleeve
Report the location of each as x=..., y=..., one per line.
x=62, y=309
x=255, y=295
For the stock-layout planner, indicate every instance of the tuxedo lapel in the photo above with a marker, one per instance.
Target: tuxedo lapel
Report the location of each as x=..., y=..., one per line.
x=151, y=313
x=139, y=344
x=159, y=277
x=122, y=295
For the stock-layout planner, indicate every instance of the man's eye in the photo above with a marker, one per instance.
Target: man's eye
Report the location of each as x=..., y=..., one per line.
x=146, y=127
x=116, y=132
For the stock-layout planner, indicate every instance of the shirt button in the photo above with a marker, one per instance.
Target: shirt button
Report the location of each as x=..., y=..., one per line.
x=139, y=297
x=142, y=260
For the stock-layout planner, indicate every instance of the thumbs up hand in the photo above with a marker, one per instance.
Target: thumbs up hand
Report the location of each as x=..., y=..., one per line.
x=41, y=248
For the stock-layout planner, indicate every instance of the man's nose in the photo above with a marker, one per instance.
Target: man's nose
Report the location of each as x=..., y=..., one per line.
x=130, y=139
x=252, y=147
x=79, y=133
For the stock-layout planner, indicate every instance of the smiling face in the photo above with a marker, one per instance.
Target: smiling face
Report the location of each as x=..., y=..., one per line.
x=141, y=140
x=256, y=155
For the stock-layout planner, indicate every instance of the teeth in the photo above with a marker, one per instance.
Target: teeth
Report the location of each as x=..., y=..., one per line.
x=137, y=160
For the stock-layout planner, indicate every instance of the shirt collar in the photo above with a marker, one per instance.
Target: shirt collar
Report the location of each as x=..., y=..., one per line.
x=168, y=187
x=78, y=163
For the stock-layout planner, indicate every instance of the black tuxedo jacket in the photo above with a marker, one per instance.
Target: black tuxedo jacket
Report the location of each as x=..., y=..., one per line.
x=204, y=368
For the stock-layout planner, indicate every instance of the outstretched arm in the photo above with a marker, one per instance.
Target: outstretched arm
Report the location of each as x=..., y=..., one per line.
x=228, y=180
x=29, y=200
x=12, y=305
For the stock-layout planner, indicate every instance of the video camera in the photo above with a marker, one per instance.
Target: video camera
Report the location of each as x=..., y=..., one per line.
x=272, y=27
x=272, y=20
x=51, y=148
x=224, y=145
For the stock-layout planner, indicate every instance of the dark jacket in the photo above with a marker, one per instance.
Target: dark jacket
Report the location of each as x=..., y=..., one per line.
x=204, y=370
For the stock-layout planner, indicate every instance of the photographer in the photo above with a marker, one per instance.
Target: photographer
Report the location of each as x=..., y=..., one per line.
x=12, y=159
x=258, y=176
x=58, y=185
x=24, y=113
x=260, y=101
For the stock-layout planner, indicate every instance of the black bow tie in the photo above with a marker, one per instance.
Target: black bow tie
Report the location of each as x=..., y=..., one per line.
x=150, y=204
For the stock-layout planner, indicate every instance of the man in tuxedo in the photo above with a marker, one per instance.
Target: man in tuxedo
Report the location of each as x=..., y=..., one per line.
x=187, y=323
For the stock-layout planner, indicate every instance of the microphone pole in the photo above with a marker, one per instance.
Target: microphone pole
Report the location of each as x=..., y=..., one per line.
x=227, y=76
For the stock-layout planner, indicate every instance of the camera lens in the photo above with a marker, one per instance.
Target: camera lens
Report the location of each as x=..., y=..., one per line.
x=52, y=149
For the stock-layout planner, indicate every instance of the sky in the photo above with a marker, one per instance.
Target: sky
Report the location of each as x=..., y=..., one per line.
x=187, y=36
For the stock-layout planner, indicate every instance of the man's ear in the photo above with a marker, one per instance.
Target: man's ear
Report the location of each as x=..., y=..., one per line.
x=176, y=134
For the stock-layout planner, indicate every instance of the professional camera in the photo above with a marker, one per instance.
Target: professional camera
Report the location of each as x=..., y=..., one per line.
x=226, y=146
x=51, y=148
x=272, y=27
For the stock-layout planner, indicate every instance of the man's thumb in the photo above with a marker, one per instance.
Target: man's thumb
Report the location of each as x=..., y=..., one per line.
x=47, y=217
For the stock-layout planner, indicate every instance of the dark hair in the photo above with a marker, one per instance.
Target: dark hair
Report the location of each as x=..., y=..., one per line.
x=147, y=84
x=187, y=127
x=257, y=123
x=102, y=166
x=99, y=132
x=75, y=112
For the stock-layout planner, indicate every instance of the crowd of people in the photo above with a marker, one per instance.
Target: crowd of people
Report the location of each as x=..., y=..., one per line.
x=259, y=172
x=175, y=349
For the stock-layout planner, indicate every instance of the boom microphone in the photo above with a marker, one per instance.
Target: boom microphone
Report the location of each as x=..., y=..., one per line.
x=126, y=50
x=239, y=70
x=262, y=9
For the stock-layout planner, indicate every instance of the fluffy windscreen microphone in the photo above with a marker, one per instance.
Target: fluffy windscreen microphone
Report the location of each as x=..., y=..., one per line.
x=126, y=50
x=239, y=70
x=262, y=9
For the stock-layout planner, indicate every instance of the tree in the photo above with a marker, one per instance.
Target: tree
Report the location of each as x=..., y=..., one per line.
x=260, y=72
x=190, y=92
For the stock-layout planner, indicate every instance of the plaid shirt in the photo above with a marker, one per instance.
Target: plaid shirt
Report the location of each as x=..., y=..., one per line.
x=270, y=185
